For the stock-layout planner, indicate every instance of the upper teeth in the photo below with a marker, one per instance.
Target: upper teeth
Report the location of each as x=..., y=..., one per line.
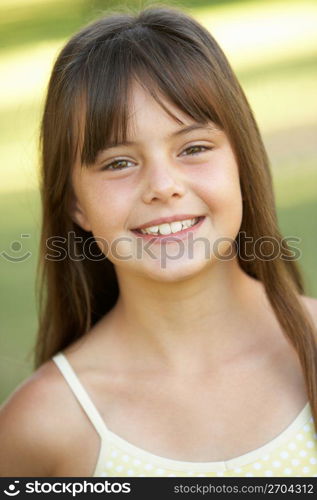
x=167, y=228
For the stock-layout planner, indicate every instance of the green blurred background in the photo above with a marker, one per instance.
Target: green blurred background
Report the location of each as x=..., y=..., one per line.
x=272, y=45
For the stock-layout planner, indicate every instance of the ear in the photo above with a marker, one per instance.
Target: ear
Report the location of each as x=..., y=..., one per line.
x=78, y=215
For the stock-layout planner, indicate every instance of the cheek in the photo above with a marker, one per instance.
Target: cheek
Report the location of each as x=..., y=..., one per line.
x=108, y=206
x=218, y=185
x=99, y=199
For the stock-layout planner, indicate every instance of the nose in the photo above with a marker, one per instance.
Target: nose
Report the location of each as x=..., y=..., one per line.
x=163, y=183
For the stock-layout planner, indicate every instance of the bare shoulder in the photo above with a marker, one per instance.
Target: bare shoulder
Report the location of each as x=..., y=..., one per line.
x=311, y=305
x=31, y=430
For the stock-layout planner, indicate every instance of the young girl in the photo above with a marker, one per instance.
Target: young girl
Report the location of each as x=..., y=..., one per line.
x=175, y=338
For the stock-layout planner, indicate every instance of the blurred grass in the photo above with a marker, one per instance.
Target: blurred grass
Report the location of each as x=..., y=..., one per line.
x=272, y=45
x=20, y=216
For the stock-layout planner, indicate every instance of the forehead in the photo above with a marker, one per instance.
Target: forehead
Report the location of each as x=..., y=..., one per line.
x=145, y=113
x=109, y=114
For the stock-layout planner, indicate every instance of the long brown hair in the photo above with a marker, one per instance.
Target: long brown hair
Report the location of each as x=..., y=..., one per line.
x=170, y=54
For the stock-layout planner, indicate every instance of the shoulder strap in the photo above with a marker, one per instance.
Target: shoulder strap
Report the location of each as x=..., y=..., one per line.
x=80, y=393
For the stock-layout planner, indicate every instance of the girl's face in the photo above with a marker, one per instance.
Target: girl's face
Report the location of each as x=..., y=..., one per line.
x=165, y=170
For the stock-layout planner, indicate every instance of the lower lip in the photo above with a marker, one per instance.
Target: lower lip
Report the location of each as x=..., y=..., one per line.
x=181, y=235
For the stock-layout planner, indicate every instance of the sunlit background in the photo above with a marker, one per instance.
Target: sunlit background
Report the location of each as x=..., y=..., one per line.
x=272, y=45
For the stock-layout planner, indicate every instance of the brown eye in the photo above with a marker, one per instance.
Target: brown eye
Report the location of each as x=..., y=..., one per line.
x=194, y=150
x=117, y=165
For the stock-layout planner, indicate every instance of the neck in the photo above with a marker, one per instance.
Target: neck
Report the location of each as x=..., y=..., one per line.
x=189, y=325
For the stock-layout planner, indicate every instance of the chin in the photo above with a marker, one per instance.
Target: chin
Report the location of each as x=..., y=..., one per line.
x=173, y=272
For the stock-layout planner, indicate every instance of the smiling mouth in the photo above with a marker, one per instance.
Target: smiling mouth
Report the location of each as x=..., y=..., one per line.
x=168, y=231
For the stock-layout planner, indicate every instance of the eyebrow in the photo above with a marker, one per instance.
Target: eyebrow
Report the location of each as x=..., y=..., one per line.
x=189, y=128
x=184, y=130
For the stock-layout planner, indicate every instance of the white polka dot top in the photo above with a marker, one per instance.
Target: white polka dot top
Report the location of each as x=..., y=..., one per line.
x=292, y=453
